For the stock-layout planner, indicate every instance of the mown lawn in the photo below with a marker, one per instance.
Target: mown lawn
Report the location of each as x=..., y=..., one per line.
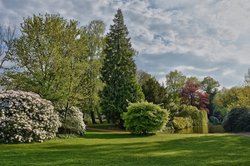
x=118, y=149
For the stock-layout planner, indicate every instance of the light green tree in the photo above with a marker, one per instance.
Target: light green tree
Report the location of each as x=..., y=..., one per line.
x=231, y=98
x=95, y=43
x=51, y=59
x=175, y=81
x=210, y=85
x=193, y=80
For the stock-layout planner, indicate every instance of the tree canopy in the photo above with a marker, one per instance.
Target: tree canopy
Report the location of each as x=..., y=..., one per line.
x=51, y=59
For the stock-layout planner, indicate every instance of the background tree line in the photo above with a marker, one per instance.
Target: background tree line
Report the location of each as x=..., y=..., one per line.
x=81, y=66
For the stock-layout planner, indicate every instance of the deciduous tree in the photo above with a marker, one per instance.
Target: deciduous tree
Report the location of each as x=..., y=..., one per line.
x=51, y=59
x=175, y=81
x=95, y=43
x=194, y=96
x=210, y=85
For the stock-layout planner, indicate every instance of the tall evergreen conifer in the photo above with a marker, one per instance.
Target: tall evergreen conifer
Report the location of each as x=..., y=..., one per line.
x=119, y=72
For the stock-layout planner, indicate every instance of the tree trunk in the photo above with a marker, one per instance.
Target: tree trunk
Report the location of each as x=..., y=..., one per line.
x=121, y=124
x=99, y=117
x=92, y=114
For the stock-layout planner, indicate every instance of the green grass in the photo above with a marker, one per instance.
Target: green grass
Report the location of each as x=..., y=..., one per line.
x=118, y=149
x=105, y=126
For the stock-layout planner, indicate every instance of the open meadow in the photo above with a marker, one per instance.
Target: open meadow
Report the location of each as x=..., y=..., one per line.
x=123, y=149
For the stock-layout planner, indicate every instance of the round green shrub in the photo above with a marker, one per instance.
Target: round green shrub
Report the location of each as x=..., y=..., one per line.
x=237, y=120
x=72, y=121
x=26, y=117
x=145, y=118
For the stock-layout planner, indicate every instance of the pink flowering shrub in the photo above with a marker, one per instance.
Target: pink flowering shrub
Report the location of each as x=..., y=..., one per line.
x=26, y=117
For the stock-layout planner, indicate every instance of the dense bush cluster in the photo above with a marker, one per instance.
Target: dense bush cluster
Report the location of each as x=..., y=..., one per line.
x=72, y=121
x=237, y=120
x=26, y=117
x=144, y=118
x=180, y=123
x=199, y=117
x=188, y=117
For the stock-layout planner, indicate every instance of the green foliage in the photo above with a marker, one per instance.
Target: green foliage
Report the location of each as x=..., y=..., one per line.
x=237, y=120
x=220, y=113
x=142, y=77
x=210, y=86
x=174, y=110
x=193, y=80
x=199, y=117
x=152, y=89
x=94, y=33
x=50, y=57
x=144, y=118
x=175, y=80
x=214, y=120
x=216, y=129
x=118, y=72
x=228, y=99
x=182, y=122
x=186, y=116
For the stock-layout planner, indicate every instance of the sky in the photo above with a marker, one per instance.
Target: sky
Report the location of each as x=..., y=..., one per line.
x=198, y=38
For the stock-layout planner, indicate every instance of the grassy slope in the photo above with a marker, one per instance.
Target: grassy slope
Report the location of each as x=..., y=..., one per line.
x=107, y=148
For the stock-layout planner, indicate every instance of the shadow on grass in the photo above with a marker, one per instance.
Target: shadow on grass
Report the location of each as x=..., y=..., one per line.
x=179, y=150
x=112, y=135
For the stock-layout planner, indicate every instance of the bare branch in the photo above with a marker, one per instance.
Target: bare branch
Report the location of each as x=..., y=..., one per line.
x=7, y=36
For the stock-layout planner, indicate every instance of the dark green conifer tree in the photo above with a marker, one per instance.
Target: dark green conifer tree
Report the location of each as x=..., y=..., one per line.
x=119, y=72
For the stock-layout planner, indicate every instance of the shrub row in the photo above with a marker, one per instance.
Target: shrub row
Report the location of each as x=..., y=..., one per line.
x=188, y=117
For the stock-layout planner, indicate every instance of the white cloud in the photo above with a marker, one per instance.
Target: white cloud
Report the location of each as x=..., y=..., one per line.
x=228, y=72
x=214, y=31
x=192, y=68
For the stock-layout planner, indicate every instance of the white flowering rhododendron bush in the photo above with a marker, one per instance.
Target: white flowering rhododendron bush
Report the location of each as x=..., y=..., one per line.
x=72, y=121
x=26, y=117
